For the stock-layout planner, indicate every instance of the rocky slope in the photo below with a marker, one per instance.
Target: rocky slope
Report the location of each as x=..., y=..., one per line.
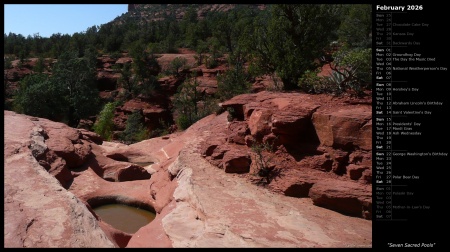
x=202, y=182
x=155, y=12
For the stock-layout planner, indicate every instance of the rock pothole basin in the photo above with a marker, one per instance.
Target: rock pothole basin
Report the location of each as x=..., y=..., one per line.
x=128, y=219
x=124, y=214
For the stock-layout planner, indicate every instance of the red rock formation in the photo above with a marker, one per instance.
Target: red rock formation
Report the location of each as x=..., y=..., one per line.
x=39, y=212
x=345, y=197
x=197, y=204
x=313, y=140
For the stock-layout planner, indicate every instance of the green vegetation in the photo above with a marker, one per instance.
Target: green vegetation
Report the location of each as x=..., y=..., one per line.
x=354, y=68
x=176, y=65
x=75, y=79
x=263, y=161
x=235, y=80
x=144, y=68
x=126, y=80
x=283, y=40
x=355, y=29
x=292, y=37
x=40, y=65
x=38, y=96
x=312, y=83
x=135, y=130
x=190, y=105
x=231, y=114
x=185, y=103
x=7, y=62
x=69, y=95
x=104, y=125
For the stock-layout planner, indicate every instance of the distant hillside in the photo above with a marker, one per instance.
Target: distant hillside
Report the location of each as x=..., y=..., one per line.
x=154, y=12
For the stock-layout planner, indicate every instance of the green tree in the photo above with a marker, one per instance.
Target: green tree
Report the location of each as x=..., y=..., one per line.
x=78, y=43
x=149, y=86
x=200, y=49
x=92, y=36
x=214, y=53
x=352, y=69
x=235, y=80
x=225, y=29
x=186, y=102
x=112, y=36
x=38, y=96
x=90, y=54
x=291, y=38
x=355, y=29
x=126, y=79
x=59, y=44
x=135, y=130
x=68, y=95
x=36, y=44
x=40, y=65
x=75, y=78
x=145, y=67
x=7, y=62
x=177, y=64
x=189, y=27
x=104, y=125
x=23, y=54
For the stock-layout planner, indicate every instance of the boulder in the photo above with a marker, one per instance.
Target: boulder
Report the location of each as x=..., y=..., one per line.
x=343, y=196
x=345, y=128
x=260, y=122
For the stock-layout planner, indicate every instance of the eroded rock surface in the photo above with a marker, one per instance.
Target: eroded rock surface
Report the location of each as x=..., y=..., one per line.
x=302, y=140
x=202, y=183
x=39, y=212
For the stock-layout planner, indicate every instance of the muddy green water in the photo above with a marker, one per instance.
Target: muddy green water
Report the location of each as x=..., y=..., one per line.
x=126, y=218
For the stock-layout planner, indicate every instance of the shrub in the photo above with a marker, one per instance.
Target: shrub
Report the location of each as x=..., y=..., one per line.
x=311, y=83
x=351, y=70
x=233, y=82
x=211, y=62
x=185, y=102
x=39, y=96
x=183, y=121
x=40, y=65
x=177, y=64
x=263, y=167
x=190, y=105
x=355, y=69
x=104, y=125
x=115, y=55
x=7, y=62
x=231, y=114
x=148, y=86
x=135, y=130
x=162, y=130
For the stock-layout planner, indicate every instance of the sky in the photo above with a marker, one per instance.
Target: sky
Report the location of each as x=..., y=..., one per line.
x=48, y=19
